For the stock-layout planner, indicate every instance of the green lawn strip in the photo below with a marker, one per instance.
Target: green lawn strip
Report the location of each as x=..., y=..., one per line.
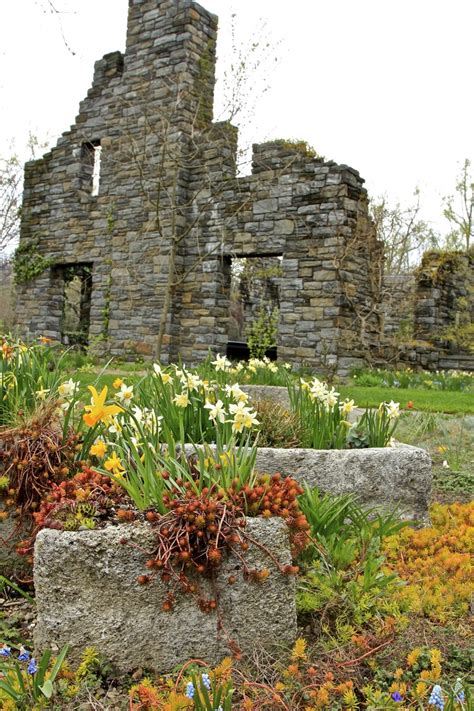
x=431, y=400
x=428, y=400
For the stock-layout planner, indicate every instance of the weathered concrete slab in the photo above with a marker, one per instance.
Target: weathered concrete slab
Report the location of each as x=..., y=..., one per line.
x=87, y=594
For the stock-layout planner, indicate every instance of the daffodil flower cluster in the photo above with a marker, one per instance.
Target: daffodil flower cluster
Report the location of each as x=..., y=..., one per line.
x=261, y=371
x=169, y=408
x=26, y=378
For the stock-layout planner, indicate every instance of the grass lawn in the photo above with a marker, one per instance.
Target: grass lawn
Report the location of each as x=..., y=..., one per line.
x=428, y=400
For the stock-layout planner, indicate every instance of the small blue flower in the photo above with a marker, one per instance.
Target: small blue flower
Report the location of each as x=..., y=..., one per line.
x=459, y=691
x=190, y=690
x=24, y=655
x=5, y=651
x=396, y=696
x=32, y=666
x=206, y=681
x=436, y=699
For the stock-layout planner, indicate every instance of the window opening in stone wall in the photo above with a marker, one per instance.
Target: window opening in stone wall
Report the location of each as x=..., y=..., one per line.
x=254, y=305
x=77, y=292
x=90, y=167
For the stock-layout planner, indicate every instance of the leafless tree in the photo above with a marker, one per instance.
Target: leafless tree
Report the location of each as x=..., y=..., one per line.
x=459, y=210
x=404, y=234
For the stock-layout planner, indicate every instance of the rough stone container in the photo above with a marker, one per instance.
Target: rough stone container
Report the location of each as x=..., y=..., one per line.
x=384, y=478
x=87, y=594
x=380, y=477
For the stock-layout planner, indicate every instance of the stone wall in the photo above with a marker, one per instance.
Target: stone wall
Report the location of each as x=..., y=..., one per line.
x=444, y=312
x=398, y=304
x=170, y=212
x=444, y=297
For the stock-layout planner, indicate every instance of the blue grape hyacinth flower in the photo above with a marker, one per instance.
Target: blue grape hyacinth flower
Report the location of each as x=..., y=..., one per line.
x=5, y=651
x=32, y=666
x=436, y=699
x=206, y=681
x=190, y=690
x=24, y=655
x=396, y=696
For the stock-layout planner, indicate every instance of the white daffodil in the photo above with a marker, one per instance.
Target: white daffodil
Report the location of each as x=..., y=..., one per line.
x=165, y=377
x=235, y=392
x=221, y=363
x=68, y=388
x=319, y=390
x=392, y=409
x=332, y=398
x=125, y=393
x=158, y=369
x=346, y=407
x=193, y=382
x=181, y=399
x=244, y=417
x=216, y=411
x=287, y=366
x=272, y=367
x=257, y=363
x=137, y=413
x=115, y=427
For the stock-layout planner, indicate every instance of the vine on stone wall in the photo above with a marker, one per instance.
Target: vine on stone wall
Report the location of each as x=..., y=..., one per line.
x=28, y=263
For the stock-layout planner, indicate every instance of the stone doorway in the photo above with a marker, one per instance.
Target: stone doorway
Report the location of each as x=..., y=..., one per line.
x=76, y=304
x=254, y=300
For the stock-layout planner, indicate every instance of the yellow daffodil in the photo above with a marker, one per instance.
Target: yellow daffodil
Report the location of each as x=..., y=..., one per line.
x=99, y=448
x=114, y=465
x=41, y=393
x=98, y=411
x=346, y=407
x=117, y=384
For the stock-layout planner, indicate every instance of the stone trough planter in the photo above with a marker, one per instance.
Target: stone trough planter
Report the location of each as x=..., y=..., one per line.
x=385, y=477
x=87, y=594
x=382, y=477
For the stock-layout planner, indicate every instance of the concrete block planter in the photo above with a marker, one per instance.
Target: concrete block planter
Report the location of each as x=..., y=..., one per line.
x=87, y=594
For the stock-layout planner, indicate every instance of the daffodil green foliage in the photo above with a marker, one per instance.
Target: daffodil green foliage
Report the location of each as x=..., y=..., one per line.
x=29, y=376
x=344, y=569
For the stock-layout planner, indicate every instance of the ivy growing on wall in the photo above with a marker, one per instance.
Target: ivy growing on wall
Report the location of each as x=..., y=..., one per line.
x=28, y=263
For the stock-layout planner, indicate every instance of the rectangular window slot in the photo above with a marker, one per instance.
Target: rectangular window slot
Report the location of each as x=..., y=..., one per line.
x=90, y=167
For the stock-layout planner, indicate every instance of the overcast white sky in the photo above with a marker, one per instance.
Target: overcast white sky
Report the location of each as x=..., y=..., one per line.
x=386, y=86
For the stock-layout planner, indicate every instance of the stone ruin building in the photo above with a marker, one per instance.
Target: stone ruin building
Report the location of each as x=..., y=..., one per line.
x=132, y=222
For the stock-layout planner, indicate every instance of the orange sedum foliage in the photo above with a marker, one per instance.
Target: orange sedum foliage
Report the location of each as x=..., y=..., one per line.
x=436, y=563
